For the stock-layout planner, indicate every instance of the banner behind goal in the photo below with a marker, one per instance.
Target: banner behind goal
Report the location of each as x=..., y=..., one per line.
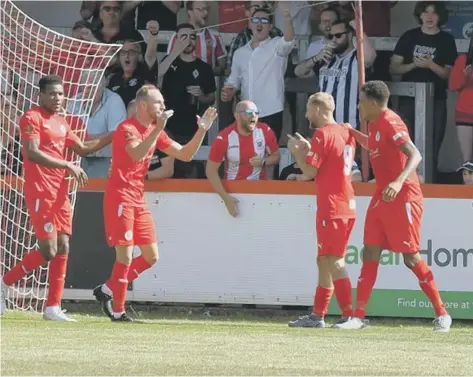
x=29, y=51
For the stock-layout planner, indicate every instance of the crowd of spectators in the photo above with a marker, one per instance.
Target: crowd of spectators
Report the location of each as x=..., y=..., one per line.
x=255, y=66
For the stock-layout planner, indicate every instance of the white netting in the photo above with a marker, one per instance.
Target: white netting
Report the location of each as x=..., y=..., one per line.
x=28, y=51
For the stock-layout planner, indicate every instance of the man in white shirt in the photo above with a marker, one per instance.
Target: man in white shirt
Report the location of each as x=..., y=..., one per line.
x=258, y=68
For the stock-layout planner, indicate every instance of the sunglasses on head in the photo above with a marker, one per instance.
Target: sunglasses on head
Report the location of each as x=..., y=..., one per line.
x=337, y=35
x=257, y=20
x=109, y=9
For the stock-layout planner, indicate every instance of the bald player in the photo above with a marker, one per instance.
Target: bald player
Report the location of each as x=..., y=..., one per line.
x=128, y=221
x=248, y=147
x=329, y=159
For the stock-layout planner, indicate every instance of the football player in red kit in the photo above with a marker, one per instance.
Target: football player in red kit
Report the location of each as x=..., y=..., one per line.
x=394, y=216
x=328, y=158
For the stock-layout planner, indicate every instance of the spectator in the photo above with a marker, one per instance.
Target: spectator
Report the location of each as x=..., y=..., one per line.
x=467, y=172
x=188, y=85
x=248, y=148
x=244, y=36
x=83, y=30
x=337, y=67
x=258, y=69
x=327, y=17
x=110, y=29
x=461, y=80
x=300, y=14
x=133, y=72
x=165, y=12
x=294, y=173
x=91, y=9
x=426, y=54
x=209, y=46
x=106, y=113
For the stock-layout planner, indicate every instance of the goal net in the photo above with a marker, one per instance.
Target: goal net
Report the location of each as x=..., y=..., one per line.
x=29, y=51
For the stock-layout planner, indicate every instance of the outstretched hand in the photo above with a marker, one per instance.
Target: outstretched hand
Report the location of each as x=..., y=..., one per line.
x=206, y=121
x=298, y=145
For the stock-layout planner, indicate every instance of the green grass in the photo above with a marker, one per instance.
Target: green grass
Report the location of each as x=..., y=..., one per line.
x=233, y=346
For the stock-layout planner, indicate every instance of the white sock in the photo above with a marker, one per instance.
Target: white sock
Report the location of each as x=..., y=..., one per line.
x=51, y=309
x=117, y=315
x=106, y=290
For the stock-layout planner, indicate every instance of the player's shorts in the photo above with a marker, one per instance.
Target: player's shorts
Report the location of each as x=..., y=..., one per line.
x=49, y=215
x=128, y=225
x=395, y=226
x=333, y=236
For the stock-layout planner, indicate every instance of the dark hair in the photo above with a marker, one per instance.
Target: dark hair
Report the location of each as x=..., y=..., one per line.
x=46, y=81
x=440, y=9
x=376, y=90
x=334, y=10
x=346, y=23
x=184, y=26
x=265, y=5
x=120, y=3
x=264, y=10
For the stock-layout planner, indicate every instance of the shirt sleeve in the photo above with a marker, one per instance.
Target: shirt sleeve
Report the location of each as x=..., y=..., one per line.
x=164, y=141
x=270, y=138
x=234, y=80
x=283, y=47
x=218, y=150
x=29, y=127
x=448, y=52
x=125, y=135
x=72, y=139
x=404, y=47
x=171, y=43
x=116, y=112
x=316, y=155
x=396, y=130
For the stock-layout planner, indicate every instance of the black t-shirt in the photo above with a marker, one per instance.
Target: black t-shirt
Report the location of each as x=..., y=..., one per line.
x=288, y=170
x=156, y=11
x=441, y=47
x=180, y=75
x=127, y=89
x=124, y=34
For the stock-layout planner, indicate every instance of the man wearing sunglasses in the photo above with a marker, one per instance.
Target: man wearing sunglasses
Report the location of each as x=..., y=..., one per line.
x=248, y=148
x=258, y=68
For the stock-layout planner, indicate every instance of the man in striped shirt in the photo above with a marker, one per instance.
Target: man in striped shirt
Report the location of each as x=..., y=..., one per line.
x=209, y=46
x=248, y=148
x=337, y=68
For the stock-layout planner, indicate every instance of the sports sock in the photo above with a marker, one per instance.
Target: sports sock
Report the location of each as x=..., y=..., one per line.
x=119, y=286
x=138, y=265
x=343, y=294
x=30, y=262
x=57, y=278
x=366, y=282
x=428, y=286
x=321, y=301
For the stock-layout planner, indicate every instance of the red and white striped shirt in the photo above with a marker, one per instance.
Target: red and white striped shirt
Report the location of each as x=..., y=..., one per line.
x=208, y=46
x=236, y=150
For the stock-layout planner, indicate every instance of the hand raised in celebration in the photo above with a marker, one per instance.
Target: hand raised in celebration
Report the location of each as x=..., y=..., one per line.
x=207, y=119
x=153, y=28
x=298, y=145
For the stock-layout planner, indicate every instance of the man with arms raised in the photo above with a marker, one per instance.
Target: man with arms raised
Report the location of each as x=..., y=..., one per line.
x=328, y=159
x=128, y=221
x=248, y=148
x=45, y=137
x=394, y=216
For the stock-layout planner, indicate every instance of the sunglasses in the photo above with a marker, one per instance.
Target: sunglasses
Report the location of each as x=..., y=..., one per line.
x=337, y=35
x=250, y=112
x=257, y=20
x=192, y=37
x=128, y=52
x=110, y=9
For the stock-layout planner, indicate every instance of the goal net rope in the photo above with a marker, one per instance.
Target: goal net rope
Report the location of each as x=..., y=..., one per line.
x=28, y=51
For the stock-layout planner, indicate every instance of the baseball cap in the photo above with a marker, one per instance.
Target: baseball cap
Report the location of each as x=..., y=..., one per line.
x=467, y=165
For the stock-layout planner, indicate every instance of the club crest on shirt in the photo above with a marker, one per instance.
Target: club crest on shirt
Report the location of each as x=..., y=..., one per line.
x=29, y=130
x=195, y=73
x=378, y=136
x=259, y=143
x=133, y=82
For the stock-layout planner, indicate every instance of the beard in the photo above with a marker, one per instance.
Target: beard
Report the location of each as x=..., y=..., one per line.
x=341, y=48
x=189, y=49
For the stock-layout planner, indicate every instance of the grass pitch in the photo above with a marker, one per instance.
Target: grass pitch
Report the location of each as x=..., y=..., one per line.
x=233, y=346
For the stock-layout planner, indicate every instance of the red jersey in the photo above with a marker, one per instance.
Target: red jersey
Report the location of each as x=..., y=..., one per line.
x=332, y=152
x=386, y=134
x=236, y=150
x=54, y=136
x=127, y=177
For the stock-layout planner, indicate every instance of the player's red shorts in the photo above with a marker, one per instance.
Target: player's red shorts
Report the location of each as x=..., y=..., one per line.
x=394, y=225
x=333, y=236
x=128, y=225
x=49, y=215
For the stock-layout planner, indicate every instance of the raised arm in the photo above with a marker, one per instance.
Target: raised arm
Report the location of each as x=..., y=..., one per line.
x=151, y=54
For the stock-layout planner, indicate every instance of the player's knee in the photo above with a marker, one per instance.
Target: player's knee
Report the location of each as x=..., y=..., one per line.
x=63, y=247
x=152, y=259
x=371, y=253
x=48, y=252
x=410, y=260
